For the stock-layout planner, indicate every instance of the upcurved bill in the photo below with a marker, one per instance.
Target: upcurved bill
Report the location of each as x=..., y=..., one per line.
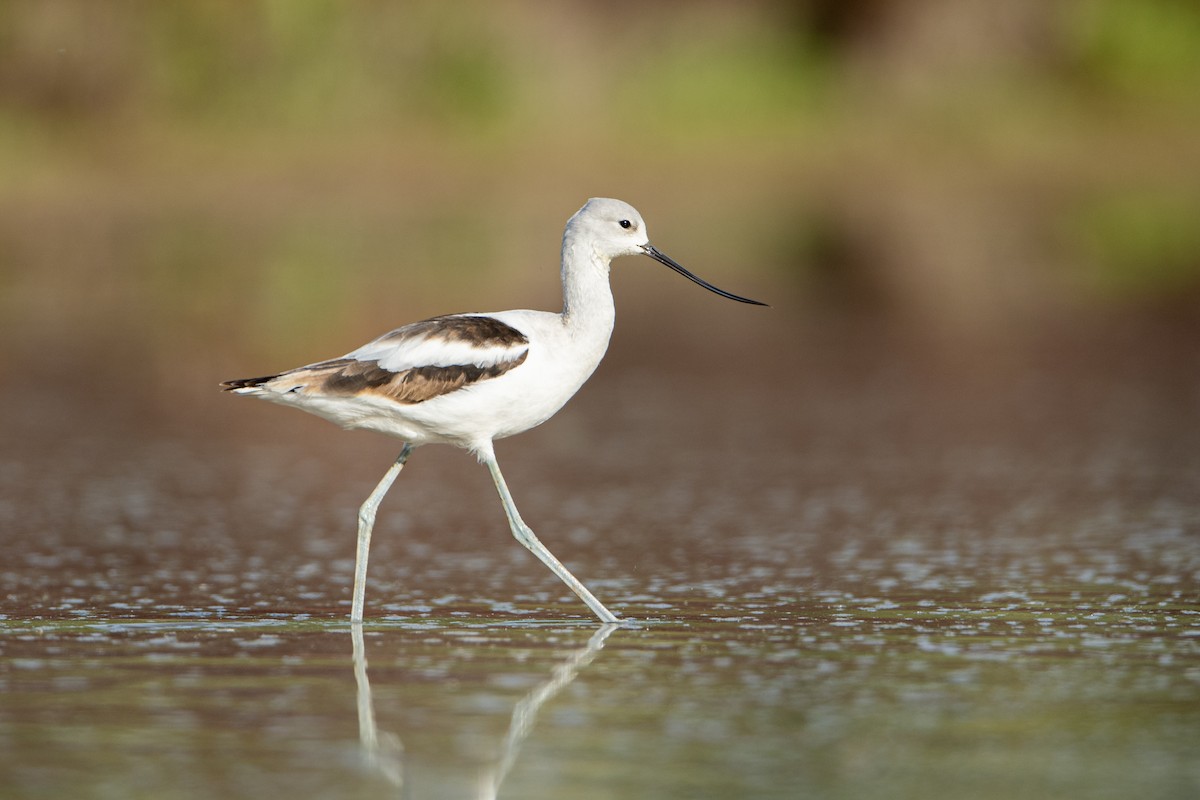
x=653, y=252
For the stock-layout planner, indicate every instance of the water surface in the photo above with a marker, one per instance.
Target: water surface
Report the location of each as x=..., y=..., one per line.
x=848, y=571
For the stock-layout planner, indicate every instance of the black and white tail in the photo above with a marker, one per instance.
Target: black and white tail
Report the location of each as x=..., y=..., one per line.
x=246, y=385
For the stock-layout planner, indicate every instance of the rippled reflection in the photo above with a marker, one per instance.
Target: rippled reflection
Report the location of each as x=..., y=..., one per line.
x=525, y=712
x=384, y=751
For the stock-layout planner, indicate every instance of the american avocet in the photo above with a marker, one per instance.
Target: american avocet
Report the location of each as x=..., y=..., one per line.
x=469, y=379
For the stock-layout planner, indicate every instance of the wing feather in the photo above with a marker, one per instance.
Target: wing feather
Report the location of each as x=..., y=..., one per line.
x=445, y=342
x=408, y=365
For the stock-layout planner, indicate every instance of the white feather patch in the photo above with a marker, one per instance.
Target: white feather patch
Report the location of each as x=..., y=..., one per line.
x=425, y=346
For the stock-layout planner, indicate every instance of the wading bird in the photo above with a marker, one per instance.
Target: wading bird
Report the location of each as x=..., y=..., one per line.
x=469, y=379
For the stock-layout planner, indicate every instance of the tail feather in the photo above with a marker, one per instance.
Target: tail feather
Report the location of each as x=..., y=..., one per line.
x=246, y=385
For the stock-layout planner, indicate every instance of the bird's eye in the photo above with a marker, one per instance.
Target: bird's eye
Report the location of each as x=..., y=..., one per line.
x=625, y=223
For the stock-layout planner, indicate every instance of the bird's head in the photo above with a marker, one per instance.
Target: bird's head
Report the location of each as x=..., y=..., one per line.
x=613, y=228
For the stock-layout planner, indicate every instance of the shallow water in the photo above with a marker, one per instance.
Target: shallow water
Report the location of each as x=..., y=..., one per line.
x=846, y=571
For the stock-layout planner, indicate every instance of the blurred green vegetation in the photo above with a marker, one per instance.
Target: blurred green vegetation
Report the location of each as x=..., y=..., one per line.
x=1139, y=47
x=245, y=169
x=468, y=66
x=1141, y=244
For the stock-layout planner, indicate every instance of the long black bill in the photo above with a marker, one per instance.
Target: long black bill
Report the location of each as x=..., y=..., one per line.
x=653, y=252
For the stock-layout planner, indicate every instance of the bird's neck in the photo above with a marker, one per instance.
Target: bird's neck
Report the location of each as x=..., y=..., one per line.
x=587, y=296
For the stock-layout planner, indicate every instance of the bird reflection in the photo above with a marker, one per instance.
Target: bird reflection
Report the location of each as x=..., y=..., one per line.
x=525, y=712
x=385, y=753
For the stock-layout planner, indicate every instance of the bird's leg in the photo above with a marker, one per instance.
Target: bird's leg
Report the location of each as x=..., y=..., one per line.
x=366, y=521
x=526, y=537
